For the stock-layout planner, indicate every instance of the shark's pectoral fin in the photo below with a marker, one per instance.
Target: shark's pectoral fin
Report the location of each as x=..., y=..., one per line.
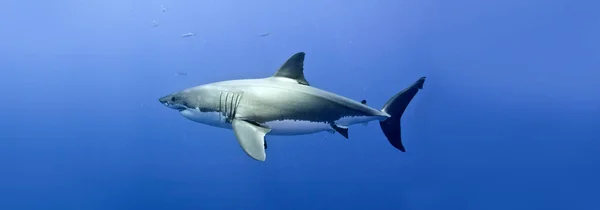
x=340, y=129
x=251, y=138
x=293, y=68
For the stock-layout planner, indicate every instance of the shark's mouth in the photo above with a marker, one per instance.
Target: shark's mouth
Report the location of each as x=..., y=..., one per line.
x=178, y=107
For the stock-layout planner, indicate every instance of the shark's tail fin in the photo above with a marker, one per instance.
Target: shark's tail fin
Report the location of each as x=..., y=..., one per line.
x=395, y=108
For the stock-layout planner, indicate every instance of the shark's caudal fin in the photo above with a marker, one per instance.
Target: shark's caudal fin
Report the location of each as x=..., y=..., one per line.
x=395, y=108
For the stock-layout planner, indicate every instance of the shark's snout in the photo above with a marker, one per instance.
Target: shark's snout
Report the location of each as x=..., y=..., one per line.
x=165, y=100
x=173, y=101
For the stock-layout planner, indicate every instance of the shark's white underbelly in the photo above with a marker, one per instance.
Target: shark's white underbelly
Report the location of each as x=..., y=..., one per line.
x=208, y=118
x=298, y=127
x=278, y=127
x=295, y=127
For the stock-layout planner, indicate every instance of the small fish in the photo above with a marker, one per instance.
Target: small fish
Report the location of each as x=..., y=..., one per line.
x=264, y=34
x=188, y=35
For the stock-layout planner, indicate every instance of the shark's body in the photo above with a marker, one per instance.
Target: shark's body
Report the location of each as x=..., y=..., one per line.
x=279, y=104
x=284, y=104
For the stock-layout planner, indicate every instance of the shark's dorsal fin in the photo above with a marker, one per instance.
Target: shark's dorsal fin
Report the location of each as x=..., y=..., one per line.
x=293, y=68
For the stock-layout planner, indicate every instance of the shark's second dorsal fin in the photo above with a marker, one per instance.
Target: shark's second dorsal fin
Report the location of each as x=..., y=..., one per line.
x=293, y=68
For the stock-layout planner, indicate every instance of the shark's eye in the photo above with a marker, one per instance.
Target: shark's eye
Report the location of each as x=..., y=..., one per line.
x=174, y=98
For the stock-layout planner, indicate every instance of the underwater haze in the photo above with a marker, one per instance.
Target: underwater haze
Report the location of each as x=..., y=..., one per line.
x=507, y=119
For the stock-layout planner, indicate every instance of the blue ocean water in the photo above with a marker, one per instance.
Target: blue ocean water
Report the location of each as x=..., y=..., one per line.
x=507, y=119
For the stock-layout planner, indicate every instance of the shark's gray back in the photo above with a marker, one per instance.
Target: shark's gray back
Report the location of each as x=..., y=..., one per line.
x=272, y=99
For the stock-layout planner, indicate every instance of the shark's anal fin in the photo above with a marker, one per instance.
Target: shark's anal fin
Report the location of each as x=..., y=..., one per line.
x=293, y=68
x=251, y=138
x=340, y=129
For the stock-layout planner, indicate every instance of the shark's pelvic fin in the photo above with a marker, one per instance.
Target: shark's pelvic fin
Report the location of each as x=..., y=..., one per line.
x=293, y=68
x=340, y=129
x=251, y=138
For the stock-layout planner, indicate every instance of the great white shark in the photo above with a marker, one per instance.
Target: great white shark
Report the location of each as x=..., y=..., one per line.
x=284, y=104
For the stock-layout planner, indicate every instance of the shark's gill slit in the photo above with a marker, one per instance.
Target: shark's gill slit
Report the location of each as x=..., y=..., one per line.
x=238, y=99
x=220, y=104
x=224, y=108
x=230, y=112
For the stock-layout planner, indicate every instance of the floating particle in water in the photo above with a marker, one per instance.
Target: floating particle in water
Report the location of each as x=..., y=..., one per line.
x=188, y=35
